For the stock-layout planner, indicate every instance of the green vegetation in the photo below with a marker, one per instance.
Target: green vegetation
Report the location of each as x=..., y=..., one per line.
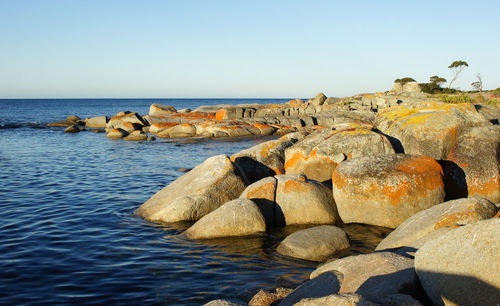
x=457, y=67
x=404, y=80
x=461, y=98
x=434, y=86
x=496, y=90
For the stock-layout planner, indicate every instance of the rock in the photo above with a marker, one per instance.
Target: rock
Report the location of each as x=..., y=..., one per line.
x=229, y=113
x=126, y=121
x=325, y=284
x=315, y=244
x=319, y=99
x=240, y=217
x=387, y=189
x=225, y=303
x=473, y=166
x=196, y=193
x=151, y=138
x=61, y=123
x=184, y=110
x=116, y=133
x=98, y=122
x=136, y=136
x=161, y=126
x=428, y=130
x=343, y=299
x=264, y=298
x=73, y=118
x=72, y=129
x=461, y=267
x=179, y=131
x=160, y=109
x=267, y=158
x=263, y=193
x=316, y=156
x=304, y=201
x=396, y=299
x=375, y=274
x=445, y=216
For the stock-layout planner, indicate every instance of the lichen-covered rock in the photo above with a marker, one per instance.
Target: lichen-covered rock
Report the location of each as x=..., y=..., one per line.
x=319, y=99
x=116, y=133
x=304, y=201
x=160, y=109
x=324, y=285
x=98, y=122
x=264, y=298
x=445, y=216
x=315, y=244
x=158, y=127
x=136, y=136
x=473, y=166
x=430, y=130
x=221, y=302
x=375, y=274
x=267, y=158
x=134, y=119
x=196, y=193
x=461, y=267
x=240, y=217
x=178, y=131
x=319, y=153
x=387, y=189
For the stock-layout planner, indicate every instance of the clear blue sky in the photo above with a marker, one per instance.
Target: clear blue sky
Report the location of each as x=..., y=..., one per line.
x=106, y=48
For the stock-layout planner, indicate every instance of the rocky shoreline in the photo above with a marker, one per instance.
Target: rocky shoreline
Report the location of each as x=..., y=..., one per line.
x=400, y=159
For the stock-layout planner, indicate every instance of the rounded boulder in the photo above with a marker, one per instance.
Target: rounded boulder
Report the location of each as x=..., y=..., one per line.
x=385, y=190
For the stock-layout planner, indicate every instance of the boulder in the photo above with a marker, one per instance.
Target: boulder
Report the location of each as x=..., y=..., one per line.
x=221, y=302
x=414, y=231
x=160, y=109
x=73, y=118
x=72, y=129
x=324, y=285
x=315, y=244
x=303, y=201
x=461, y=267
x=61, y=123
x=179, y=131
x=136, y=136
x=319, y=153
x=133, y=119
x=229, y=113
x=161, y=126
x=319, y=99
x=196, y=193
x=375, y=274
x=343, y=299
x=264, y=298
x=263, y=193
x=473, y=166
x=98, y=122
x=240, y=217
x=430, y=129
x=116, y=133
x=267, y=158
x=387, y=189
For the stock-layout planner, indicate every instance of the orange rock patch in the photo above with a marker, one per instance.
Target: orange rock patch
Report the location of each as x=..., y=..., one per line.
x=264, y=191
x=220, y=114
x=294, y=186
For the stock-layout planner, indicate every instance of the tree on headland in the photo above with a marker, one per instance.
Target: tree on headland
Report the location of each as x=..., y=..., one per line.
x=457, y=67
x=437, y=80
x=478, y=85
x=404, y=80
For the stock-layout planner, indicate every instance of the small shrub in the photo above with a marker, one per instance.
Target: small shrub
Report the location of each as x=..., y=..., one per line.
x=455, y=99
x=497, y=90
x=404, y=80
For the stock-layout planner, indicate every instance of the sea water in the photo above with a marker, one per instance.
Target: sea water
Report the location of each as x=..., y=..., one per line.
x=68, y=233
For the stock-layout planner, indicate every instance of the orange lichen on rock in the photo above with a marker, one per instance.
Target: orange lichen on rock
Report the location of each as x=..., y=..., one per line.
x=267, y=147
x=164, y=124
x=221, y=114
x=294, y=186
x=264, y=191
x=339, y=180
x=395, y=192
x=454, y=219
x=262, y=126
x=194, y=115
x=484, y=188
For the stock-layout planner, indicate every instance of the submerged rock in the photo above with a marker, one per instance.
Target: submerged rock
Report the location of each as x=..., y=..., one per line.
x=240, y=217
x=196, y=193
x=315, y=244
x=385, y=190
x=72, y=129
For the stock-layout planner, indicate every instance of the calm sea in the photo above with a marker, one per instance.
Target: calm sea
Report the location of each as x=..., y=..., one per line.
x=67, y=230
